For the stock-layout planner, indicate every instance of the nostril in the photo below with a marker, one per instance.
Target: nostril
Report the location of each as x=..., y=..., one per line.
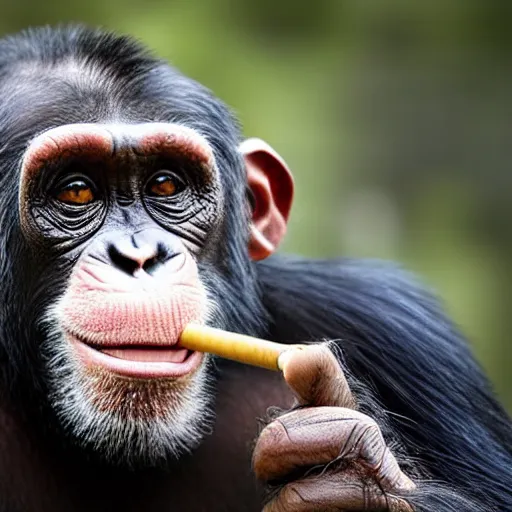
x=146, y=257
x=162, y=254
x=121, y=261
x=151, y=265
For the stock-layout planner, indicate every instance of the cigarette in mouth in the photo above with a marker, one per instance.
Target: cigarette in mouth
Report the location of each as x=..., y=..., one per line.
x=237, y=347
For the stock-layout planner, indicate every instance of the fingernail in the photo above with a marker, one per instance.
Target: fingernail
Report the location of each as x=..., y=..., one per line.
x=285, y=356
x=283, y=359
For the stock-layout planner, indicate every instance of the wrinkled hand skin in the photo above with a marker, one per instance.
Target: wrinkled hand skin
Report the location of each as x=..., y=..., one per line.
x=359, y=472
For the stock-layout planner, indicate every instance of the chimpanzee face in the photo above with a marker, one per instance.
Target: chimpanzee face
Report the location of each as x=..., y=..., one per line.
x=133, y=207
x=125, y=209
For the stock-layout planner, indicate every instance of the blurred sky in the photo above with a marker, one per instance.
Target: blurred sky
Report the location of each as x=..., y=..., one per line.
x=395, y=117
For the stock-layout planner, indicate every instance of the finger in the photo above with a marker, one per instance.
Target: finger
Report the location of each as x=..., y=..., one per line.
x=320, y=435
x=305, y=438
x=332, y=492
x=315, y=376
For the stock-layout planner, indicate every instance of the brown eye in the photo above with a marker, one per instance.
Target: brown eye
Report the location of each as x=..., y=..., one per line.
x=76, y=192
x=163, y=185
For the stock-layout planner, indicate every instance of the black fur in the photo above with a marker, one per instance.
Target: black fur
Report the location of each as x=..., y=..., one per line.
x=411, y=368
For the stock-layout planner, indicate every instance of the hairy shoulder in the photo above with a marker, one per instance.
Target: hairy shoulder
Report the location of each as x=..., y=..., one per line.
x=395, y=337
x=355, y=291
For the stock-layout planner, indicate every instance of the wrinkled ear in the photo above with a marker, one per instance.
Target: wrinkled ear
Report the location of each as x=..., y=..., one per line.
x=271, y=185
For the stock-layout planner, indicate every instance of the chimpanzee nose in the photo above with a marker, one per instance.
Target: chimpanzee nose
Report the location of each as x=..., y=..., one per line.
x=133, y=253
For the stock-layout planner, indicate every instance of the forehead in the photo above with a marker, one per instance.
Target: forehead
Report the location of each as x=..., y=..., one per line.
x=37, y=97
x=64, y=93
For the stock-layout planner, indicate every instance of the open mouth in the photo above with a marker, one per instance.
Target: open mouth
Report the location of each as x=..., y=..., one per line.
x=139, y=361
x=147, y=355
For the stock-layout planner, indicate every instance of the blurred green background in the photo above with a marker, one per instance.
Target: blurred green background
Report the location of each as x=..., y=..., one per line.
x=395, y=116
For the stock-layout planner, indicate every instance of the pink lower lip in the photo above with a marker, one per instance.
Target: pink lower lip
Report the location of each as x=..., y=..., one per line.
x=140, y=363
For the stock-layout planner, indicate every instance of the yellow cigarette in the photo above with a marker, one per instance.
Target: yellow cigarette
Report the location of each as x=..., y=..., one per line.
x=237, y=347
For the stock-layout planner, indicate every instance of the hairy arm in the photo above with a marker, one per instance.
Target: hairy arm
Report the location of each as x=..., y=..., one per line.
x=410, y=369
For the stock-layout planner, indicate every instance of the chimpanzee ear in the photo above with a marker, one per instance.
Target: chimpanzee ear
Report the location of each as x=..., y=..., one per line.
x=271, y=185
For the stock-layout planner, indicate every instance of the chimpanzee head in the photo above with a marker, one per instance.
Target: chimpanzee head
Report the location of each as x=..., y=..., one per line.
x=129, y=208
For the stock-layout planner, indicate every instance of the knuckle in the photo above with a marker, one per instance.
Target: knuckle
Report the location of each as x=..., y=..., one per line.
x=369, y=423
x=289, y=499
x=268, y=446
x=370, y=446
x=371, y=433
x=292, y=497
x=274, y=434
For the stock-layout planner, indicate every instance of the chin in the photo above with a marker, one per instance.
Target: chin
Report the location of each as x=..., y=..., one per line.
x=129, y=405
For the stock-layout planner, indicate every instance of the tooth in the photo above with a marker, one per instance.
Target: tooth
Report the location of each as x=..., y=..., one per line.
x=148, y=355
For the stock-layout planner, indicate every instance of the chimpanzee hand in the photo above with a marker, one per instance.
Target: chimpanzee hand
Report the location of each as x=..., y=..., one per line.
x=358, y=471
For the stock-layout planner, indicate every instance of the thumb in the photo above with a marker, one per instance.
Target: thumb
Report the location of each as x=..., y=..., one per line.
x=315, y=376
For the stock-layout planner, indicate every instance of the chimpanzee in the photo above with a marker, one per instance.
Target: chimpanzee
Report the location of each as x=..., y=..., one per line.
x=131, y=206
